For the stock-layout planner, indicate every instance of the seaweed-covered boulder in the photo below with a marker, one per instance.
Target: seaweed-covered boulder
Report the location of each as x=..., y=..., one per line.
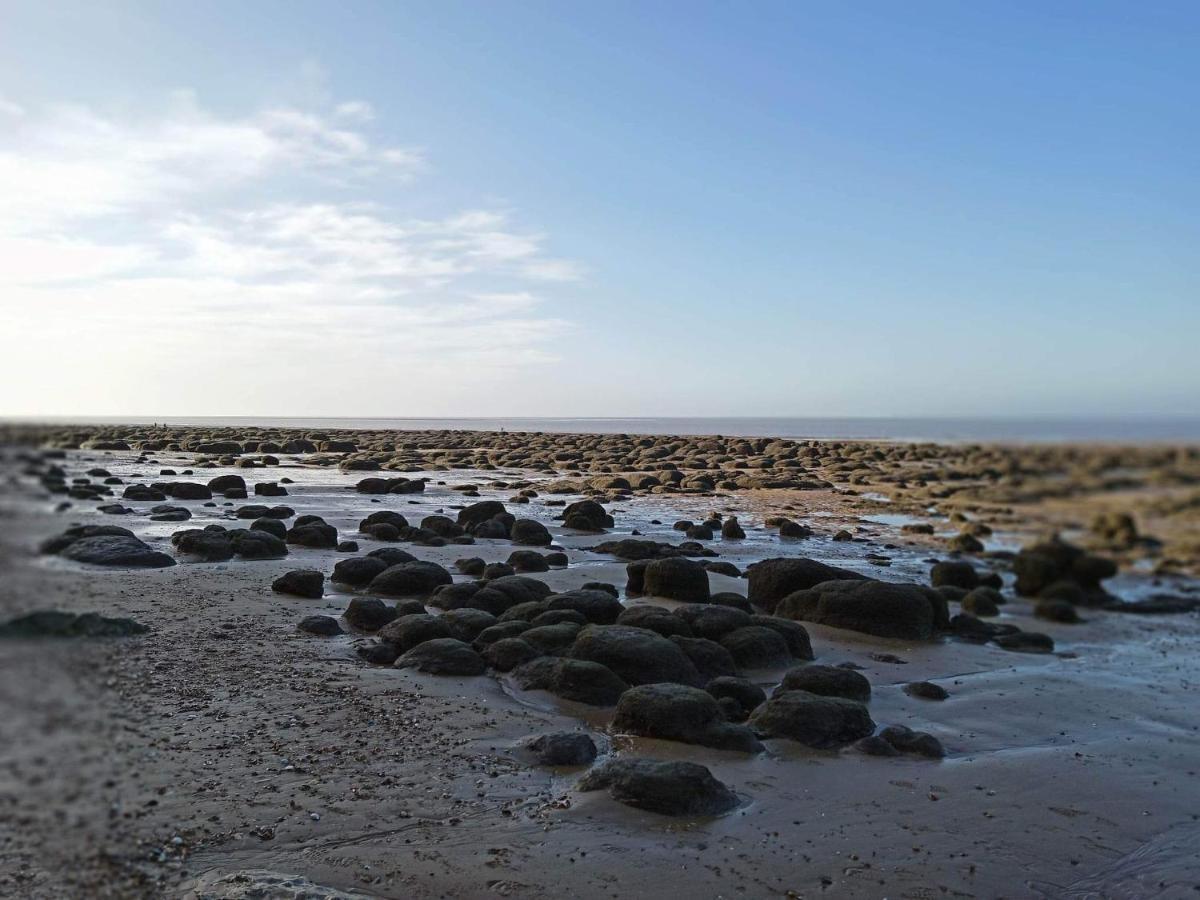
x=812, y=720
x=954, y=573
x=756, y=647
x=223, y=483
x=586, y=515
x=770, y=580
x=409, y=579
x=115, y=550
x=676, y=712
x=357, y=571
x=744, y=694
x=393, y=556
x=572, y=679
x=668, y=788
x=562, y=748
x=1050, y=563
x=638, y=656
x=908, y=611
x=656, y=619
x=598, y=607
x=408, y=631
x=827, y=681
x=710, y=658
x=712, y=621
x=531, y=533
x=55, y=624
x=318, y=535
x=794, y=634
x=479, y=512
x=676, y=578
x=300, y=583
x=508, y=653
x=443, y=656
x=368, y=613
x=321, y=626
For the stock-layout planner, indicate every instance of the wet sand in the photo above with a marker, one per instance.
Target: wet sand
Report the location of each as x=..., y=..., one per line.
x=226, y=750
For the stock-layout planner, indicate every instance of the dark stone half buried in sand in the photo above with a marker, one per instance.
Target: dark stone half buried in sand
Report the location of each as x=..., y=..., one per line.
x=300, y=583
x=669, y=788
x=571, y=679
x=597, y=607
x=770, y=580
x=677, y=578
x=827, y=681
x=676, y=712
x=322, y=626
x=821, y=722
x=54, y=624
x=638, y=656
x=562, y=748
x=443, y=656
x=885, y=609
x=416, y=578
x=117, y=551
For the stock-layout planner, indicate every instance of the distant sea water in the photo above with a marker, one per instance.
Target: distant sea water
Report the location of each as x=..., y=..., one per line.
x=1133, y=429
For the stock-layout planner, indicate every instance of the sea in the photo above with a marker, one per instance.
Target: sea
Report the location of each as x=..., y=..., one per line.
x=1130, y=429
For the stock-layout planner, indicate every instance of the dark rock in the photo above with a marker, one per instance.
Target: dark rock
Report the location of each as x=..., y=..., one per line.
x=598, y=607
x=710, y=658
x=114, y=550
x=1056, y=611
x=711, y=621
x=380, y=654
x=676, y=712
x=926, y=690
x=907, y=611
x=562, y=748
x=956, y=574
x=317, y=535
x=821, y=722
x=636, y=655
x=273, y=527
x=906, y=740
x=756, y=647
x=572, y=679
x=827, y=681
x=55, y=624
x=656, y=619
x=669, y=788
x=982, y=601
x=531, y=532
x=322, y=626
x=508, y=653
x=677, y=579
x=300, y=583
x=746, y=694
x=794, y=634
x=409, y=578
x=1025, y=642
x=771, y=580
x=368, y=613
x=357, y=571
x=444, y=656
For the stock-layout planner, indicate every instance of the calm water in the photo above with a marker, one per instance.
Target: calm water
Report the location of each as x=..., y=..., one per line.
x=1022, y=430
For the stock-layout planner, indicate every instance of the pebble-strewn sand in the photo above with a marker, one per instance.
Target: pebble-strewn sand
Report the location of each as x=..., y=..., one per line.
x=225, y=752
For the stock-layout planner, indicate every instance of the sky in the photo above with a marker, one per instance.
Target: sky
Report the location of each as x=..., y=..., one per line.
x=599, y=209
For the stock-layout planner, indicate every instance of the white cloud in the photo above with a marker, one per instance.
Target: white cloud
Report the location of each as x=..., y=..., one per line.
x=141, y=244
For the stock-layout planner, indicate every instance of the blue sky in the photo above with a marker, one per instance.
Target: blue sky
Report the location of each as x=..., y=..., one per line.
x=600, y=209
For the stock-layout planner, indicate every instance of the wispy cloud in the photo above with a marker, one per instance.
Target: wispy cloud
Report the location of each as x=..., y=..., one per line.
x=134, y=241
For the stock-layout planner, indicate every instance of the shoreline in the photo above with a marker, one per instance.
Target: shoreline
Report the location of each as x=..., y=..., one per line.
x=241, y=729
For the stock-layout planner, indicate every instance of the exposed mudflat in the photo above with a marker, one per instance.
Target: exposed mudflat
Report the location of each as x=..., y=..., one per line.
x=226, y=754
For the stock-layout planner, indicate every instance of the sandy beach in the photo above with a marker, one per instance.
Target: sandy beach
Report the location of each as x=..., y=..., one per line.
x=224, y=752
